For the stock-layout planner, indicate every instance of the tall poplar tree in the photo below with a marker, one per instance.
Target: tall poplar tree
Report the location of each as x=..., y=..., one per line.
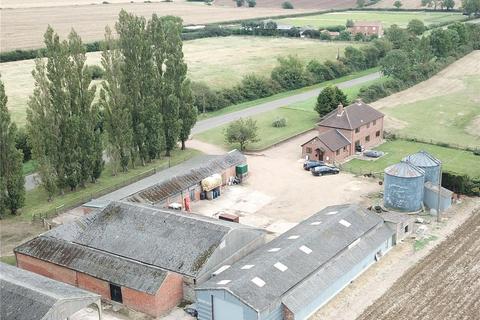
x=12, y=182
x=188, y=112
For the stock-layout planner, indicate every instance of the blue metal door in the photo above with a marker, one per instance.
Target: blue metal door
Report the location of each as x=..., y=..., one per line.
x=224, y=310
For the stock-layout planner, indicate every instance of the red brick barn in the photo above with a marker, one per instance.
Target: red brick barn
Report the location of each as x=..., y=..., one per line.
x=344, y=130
x=147, y=258
x=367, y=28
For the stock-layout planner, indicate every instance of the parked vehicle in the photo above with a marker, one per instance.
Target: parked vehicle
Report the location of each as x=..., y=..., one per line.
x=323, y=170
x=373, y=153
x=309, y=164
x=358, y=148
x=191, y=312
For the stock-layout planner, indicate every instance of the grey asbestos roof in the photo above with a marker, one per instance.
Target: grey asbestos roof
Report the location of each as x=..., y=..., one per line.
x=25, y=296
x=171, y=181
x=317, y=243
x=353, y=116
x=422, y=159
x=133, y=244
x=404, y=170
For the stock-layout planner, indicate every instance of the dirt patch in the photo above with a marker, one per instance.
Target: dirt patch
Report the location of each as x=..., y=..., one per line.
x=377, y=280
x=474, y=127
x=447, y=81
x=15, y=232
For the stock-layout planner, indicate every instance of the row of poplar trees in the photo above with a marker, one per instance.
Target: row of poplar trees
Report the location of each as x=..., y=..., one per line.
x=142, y=108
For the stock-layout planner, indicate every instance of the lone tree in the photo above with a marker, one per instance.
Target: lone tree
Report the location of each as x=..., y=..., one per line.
x=360, y=3
x=12, y=182
x=416, y=27
x=329, y=99
x=242, y=132
x=471, y=6
x=397, y=4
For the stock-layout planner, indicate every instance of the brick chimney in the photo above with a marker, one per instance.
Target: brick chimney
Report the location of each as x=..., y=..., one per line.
x=340, y=110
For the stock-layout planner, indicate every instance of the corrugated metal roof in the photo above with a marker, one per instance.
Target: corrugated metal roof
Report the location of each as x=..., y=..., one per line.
x=354, y=116
x=171, y=181
x=422, y=159
x=317, y=245
x=434, y=188
x=161, y=238
x=25, y=296
x=404, y=170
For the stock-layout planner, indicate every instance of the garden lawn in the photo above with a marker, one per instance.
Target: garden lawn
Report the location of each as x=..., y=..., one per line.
x=297, y=122
x=37, y=200
x=451, y=118
x=400, y=18
x=457, y=161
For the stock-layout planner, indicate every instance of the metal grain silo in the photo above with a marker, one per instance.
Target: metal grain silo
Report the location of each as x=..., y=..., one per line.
x=428, y=163
x=403, y=187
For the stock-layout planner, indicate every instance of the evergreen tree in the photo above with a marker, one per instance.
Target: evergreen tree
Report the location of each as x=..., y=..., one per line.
x=12, y=182
x=329, y=99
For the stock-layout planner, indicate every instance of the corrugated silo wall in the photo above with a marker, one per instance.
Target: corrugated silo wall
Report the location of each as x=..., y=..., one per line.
x=432, y=174
x=403, y=194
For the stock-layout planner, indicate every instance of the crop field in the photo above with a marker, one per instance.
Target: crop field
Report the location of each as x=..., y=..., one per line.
x=215, y=61
x=445, y=108
x=443, y=285
x=406, y=4
x=386, y=18
x=23, y=28
x=297, y=4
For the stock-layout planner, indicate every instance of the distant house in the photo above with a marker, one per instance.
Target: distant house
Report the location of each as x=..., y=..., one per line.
x=332, y=34
x=296, y=273
x=25, y=295
x=147, y=258
x=343, y=131
x=367, y=28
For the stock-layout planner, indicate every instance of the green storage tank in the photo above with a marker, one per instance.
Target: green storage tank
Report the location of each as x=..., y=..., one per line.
x=241, y=169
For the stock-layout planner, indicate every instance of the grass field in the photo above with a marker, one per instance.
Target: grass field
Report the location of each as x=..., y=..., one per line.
x=220, y=62
x=458, y=161
x=387, y=18
x=36, y=199
x=300, y=117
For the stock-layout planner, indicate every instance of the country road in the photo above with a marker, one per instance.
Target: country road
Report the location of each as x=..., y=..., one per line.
x=214, y=122
x=204, y=125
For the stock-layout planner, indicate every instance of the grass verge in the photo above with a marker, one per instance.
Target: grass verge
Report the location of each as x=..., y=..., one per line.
x=11, y=260
x=29, y=167
x=420, y=244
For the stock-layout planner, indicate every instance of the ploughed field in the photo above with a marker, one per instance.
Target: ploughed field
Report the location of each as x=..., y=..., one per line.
x=386, y=18
x=23, y=27
x=219, y=62
x=444, y=285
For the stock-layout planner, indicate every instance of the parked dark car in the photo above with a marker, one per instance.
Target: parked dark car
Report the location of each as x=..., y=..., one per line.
x=323, y=170
x=358, y=148
x=373, y=153
x=309, y=164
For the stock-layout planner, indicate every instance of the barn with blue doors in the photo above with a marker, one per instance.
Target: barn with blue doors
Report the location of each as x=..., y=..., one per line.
x=292, y=276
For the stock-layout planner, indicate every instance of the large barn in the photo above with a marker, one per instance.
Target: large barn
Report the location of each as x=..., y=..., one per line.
x=295, y=274
x=26, y=296
x=144, y=257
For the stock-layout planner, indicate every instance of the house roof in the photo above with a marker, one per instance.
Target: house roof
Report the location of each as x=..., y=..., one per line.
x=25, y=295
x=352, y=117
x=320, y=242
x=171, y=181
x=136, y=239
x=332, y=139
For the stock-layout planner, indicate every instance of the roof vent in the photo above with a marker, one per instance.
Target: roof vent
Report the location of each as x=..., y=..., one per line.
x=305, y=249
x=259, y=282
x=280, y=266
x=223, y=282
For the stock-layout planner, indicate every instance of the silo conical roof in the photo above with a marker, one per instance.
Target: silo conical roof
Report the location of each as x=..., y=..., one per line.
x=422, y=159
x=404, y=169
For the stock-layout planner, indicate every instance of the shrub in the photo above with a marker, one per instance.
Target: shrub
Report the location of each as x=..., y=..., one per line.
x=279, y=122
x=338, y=68
x=287, y=5
x=338, y=28
x=96, y=72
x=319, y=72
x=290, y=74
x=251, y=3
x=255, y=87
x=461, y=183
x=240, y=3
x=344, y=36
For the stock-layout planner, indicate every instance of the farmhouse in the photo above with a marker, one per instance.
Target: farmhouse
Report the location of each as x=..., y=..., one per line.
x=344, y=131
x=25, y=296
x=180, y=184
x=295, y=274
x=368, y=28
x=147, y=258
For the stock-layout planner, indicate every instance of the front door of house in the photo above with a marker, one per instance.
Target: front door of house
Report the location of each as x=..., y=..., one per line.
x=319, y=154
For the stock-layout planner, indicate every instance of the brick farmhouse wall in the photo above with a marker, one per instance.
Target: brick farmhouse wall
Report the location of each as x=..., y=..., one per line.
x=168, y=296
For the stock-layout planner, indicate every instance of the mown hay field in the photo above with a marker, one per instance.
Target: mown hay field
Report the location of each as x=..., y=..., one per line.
x=219, y=62
x=386, y=18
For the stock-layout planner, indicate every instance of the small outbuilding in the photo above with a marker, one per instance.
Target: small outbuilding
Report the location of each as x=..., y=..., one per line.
x=298, y=272
x=431, y=197
x=25, y=295
x=147, y=258
x=402, y=223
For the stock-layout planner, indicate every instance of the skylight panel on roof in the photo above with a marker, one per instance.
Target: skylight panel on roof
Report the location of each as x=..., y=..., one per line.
x=247, y=266
x=259, y=282
x=280, y=266
x=221, y=269
x=331, y=213
x=315, y=223
x=293, y=237
x=223, y=282
x=354, y=243
x=274, y=249
x=345, y=223
x=305, y=249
